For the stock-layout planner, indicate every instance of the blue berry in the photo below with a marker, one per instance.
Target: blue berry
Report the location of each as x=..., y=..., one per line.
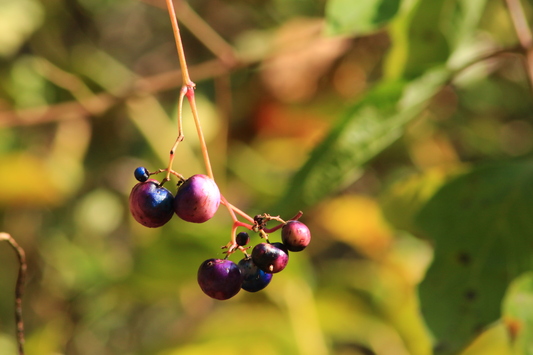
x=141, y=174
x=150, y=204
x=254, y=279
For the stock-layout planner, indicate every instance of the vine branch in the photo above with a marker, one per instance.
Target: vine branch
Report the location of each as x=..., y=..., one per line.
x=19, y=289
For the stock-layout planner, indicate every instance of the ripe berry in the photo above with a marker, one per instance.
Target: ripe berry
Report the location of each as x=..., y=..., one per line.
x=151, y=204
x=254, y=279
x=270, y=257
x=220, y=279
x=141, y=174
x=242, y=239
x=295, y=235
x=197, y=199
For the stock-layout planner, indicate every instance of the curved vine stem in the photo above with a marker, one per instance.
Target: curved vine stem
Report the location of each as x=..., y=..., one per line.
x=19, y=289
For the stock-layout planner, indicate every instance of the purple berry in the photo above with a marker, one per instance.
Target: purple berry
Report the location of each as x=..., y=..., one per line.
x=295, y=235
x=254, y=279
x=242, y=239
x=270, y=257
x=197, y=199
x=220, y=278
x=141, y=174
x=150, y=204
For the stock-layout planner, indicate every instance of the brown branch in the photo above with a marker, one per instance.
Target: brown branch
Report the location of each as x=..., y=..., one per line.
x=19, y=289
x=523, y=33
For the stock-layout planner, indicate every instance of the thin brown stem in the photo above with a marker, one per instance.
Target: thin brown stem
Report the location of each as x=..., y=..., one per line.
x=19, y=289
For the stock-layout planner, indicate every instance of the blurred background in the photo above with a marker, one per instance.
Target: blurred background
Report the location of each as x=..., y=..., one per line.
x=356, y=114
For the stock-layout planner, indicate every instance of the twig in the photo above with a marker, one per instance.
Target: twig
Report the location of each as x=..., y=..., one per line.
x=523, y=33
x=19, y=289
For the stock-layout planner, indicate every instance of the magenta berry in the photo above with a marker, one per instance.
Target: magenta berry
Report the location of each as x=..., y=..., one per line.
x=295, y=235
x=197, y=199
x=220, y=279
x=150, y=204
x=270, y=257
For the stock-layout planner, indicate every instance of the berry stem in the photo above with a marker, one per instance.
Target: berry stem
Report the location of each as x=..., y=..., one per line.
x=180, y=137
x=179, y=45
x=188, y=88
x=19, y=289
x=203, y=146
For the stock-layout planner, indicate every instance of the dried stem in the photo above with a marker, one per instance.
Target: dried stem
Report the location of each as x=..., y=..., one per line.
x=19, y=289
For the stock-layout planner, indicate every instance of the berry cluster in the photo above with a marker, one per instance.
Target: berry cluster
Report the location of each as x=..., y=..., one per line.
x=197, y=200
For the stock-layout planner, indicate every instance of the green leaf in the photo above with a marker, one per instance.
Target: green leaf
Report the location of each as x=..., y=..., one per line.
x=518, y=312
x=481, y=225
x=364, y=131
x=350, y=17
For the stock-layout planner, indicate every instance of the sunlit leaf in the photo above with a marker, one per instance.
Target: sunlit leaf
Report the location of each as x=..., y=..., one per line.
x=481, y=226
x=493, y=341
x=518, y=313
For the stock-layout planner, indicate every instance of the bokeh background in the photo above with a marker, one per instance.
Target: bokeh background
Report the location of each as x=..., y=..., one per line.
x=402, y=129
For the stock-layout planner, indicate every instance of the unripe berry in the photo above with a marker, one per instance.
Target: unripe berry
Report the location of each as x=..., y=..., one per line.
x=242, y=239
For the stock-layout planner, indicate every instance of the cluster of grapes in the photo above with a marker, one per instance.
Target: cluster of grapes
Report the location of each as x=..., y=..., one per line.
x=197, y=200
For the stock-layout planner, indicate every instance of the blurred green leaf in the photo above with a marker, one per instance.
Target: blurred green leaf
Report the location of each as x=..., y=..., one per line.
x=358, y=17
x=518, y=312
x=480, y=223
x=365, y=130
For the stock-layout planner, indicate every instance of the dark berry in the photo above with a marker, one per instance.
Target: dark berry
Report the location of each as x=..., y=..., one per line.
x=150, y=204
x=220, y=278
x=197, y=199
x=295, y=235
x=141, y=174
x=242, y=239
x=270, y=257
x=254, y=279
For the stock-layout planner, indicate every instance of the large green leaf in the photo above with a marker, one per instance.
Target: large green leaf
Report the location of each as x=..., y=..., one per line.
x=518, y=313
x=364, y=131
x=482, y=228
x=359, y=17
